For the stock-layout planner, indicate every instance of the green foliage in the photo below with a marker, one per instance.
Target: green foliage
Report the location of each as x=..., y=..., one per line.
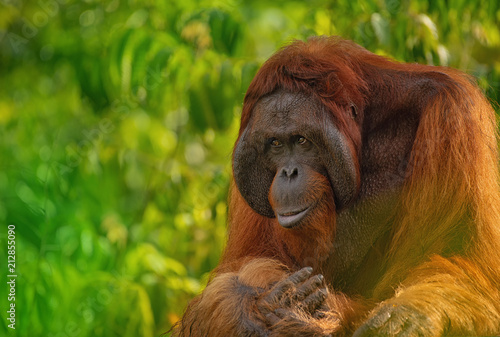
x=117, y=120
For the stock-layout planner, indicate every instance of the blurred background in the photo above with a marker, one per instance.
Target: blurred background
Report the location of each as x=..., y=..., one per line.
x=117, y=120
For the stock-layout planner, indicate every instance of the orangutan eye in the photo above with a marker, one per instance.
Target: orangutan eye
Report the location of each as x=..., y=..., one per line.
x=275, y=143
x=354, y=111
x=301, y=140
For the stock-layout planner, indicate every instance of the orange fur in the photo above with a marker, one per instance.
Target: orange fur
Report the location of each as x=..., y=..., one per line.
x=442, y=254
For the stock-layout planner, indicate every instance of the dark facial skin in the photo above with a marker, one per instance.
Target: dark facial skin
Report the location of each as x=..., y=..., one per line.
x=291, y=196
x=283, y=151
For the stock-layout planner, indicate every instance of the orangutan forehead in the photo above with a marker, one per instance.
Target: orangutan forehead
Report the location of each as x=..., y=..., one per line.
x=286, y=107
